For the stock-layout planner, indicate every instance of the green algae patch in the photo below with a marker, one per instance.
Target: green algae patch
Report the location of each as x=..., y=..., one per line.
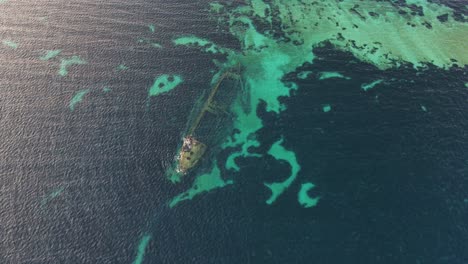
x=155, y=45
x=203, y=183
x=379, y=34
x=144, y=241
x=172, y=174
x=204, y=44
x=231, y=159
x=54, y=194
x=50, y=54
x=368, y=86
x=10, y=44
x=280, y=153
x=149, y=42
x=326, y=108
x=329, y=75
x=164, y=84
x=303, y=197
x=67, y=62
x=260, y=8
x=304, y=75
x=121, y=67
x=216, y=7
x=77, y=98
x=106, y=89
x=264, y=63
x=152, y=28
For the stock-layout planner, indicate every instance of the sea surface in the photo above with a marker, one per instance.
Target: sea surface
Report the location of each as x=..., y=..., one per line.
x=85, y=150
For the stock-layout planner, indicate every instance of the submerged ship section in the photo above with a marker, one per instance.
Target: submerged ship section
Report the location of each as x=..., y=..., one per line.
x=206, y=124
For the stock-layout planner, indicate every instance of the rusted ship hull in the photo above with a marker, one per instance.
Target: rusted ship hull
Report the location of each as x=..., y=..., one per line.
x=193, y=150
x=190, y=154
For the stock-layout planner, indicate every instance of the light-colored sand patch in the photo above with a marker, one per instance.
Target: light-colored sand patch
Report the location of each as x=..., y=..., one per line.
x=203, y=183
x=367, y=86
x=142, y=248
x=77, y=98
x=326, y=108
x=303, y=196
x=50, y=54
x=67, y=62
x=282, y=154
x=10, y=44
x=164, y=84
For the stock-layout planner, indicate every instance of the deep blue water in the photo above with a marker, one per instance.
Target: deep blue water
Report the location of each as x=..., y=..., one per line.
x=392, y=178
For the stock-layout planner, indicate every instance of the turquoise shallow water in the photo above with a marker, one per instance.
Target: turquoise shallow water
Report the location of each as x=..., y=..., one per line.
x=352, y=163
